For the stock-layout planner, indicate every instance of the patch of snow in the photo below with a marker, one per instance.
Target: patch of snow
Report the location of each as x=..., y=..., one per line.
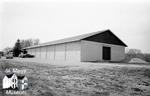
x=137, y=60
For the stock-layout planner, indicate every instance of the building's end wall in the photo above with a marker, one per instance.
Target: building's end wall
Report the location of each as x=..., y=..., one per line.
x=117, y=53
x=92, y=51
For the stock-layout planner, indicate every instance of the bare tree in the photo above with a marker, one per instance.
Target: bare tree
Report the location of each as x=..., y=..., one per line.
x=133, y=51
x=36, y=41
x=7, y=49
x=29, y=42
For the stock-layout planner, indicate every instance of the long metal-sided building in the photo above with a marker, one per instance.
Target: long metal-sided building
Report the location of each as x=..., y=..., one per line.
x=96, y=46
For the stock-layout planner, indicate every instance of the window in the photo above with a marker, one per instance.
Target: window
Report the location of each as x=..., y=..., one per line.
x=25, y=81
x=12, y=80
x=13, y=86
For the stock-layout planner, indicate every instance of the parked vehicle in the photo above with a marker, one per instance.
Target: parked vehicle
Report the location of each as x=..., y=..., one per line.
x=9, y=55
x=26, y=55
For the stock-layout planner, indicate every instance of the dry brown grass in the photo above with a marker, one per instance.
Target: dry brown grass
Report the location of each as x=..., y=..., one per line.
x=51, y=80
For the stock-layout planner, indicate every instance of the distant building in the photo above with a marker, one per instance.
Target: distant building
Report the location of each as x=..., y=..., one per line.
x=96, y=46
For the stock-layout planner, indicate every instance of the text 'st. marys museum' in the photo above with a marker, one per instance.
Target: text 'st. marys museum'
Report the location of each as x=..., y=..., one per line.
x=96, y=46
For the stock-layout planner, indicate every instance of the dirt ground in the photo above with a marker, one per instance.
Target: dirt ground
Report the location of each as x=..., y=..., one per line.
x=86, y=80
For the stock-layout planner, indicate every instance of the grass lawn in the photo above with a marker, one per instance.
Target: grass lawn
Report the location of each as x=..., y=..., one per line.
x=54, y=80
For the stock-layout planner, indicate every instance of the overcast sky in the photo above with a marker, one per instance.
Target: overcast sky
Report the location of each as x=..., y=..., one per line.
x=56, y=19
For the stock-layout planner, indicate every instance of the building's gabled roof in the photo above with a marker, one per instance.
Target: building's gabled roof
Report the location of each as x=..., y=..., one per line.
x=106, y=37
x=75, y=38
x=10, y=75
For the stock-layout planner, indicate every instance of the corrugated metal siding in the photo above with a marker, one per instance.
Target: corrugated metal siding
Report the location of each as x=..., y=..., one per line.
x=38, y=52
x=34, y=52
x=60, y=52
x=117, y=53
x=90, y=51
x=50, y=52
x=29, y=51
x=73, y=51
x=43, y=52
